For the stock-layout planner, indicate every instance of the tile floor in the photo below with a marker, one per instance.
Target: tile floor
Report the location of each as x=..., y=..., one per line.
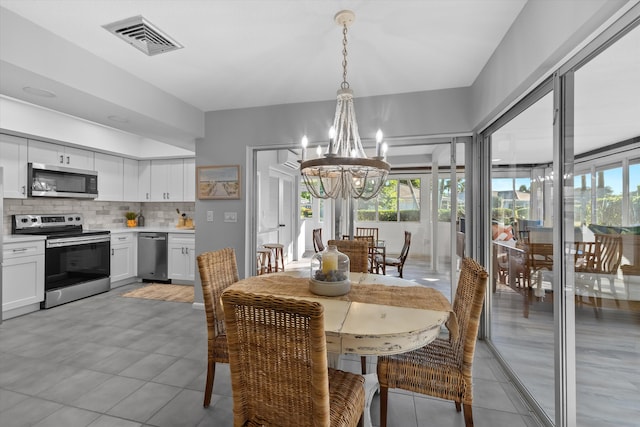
x=115, y=361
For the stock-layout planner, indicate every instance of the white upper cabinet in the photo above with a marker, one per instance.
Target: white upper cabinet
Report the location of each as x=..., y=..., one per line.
x=144, y=180
x=130, y=181
x=189, y=180
x=110, y=177
x=54, y=154
x=13, y=159
x=167, y=180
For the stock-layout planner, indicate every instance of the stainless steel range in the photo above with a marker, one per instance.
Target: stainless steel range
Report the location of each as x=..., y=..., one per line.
x=77, y=261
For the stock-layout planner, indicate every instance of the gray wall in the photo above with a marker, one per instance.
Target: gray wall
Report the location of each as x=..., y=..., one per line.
x=541, y=38
x=229, y=133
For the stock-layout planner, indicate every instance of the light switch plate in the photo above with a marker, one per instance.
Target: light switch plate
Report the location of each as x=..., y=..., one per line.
x=209, y=216
x=230, y=217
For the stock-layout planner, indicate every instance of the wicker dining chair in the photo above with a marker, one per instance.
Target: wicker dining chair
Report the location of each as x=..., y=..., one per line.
x=218, y=270
x=357, y=251
x=278, y=362
x=443, y=367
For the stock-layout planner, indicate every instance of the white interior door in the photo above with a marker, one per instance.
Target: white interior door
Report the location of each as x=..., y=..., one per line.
x=286, y=217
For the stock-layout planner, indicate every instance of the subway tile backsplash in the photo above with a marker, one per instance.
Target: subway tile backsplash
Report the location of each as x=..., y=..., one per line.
x=99, y=214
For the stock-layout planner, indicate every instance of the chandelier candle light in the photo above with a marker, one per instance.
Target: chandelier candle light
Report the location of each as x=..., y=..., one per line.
x=345, y=170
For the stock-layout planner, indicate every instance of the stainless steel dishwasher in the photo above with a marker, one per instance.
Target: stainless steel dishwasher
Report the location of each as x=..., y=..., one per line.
x=152, y=256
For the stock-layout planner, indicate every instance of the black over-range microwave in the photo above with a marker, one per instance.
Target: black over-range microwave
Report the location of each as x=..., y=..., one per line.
x=55, y=181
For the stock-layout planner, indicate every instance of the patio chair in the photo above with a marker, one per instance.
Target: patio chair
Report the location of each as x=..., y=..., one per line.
x=318, y=246
x=278, y=361
x=218, y=271
x=608, y=260
x=442, y=368
x=398, y=262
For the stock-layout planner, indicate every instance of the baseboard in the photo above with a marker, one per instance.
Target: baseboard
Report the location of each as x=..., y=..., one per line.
x=197, y=306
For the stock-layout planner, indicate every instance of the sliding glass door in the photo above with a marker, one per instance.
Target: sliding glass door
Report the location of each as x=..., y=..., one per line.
x=563, y=217
x=607, y=279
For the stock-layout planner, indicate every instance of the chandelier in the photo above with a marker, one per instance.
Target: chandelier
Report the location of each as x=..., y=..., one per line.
x=345, y=170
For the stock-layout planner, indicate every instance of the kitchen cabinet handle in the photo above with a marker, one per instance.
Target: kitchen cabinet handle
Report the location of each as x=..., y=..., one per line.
x=182, y=249
x=168, y=196
x=24, y=189
x=112, y=252
x=19, y=250
x=68, y=160
x=122, y=238
x=186, y=251
x=147, y=196
x=61, y=159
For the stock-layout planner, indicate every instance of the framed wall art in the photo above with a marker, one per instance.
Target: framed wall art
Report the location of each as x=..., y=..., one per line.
x=218, y=182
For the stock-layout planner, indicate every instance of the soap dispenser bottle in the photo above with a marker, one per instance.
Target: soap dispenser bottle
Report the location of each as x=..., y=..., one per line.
x=140, y=220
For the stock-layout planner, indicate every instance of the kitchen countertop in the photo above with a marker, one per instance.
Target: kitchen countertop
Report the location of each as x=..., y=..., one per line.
x=12, y=238
x=120, y=230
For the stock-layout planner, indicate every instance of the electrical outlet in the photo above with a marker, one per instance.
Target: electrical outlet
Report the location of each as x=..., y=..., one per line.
x=209, y=216
x=230, y=217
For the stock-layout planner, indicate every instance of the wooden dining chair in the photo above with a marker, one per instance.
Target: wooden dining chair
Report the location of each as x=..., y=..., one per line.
x=357, y=251
x=398, y=262
x=278, y=361
x=442, y=368
x=318, y=246
x=368, y=231
x=218, y=271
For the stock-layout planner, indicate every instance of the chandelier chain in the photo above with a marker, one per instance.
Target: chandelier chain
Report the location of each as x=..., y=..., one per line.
x=345, y=84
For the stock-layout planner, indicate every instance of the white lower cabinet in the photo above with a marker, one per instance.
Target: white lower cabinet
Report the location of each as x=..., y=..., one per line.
x=182, y=259
x=22, y=278
x=123, y=258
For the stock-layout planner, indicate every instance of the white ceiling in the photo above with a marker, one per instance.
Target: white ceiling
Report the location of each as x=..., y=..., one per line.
x=252, y=53
x=243, y=53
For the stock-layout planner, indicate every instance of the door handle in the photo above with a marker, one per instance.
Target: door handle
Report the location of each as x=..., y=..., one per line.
x=282, y=225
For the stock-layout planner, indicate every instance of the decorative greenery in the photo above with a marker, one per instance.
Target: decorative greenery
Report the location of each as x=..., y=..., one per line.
x=130, y=215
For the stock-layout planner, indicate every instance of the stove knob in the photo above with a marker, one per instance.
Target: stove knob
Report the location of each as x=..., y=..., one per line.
x=34, y=219
x=77, y=218
x=70, y=219
x=24, y=220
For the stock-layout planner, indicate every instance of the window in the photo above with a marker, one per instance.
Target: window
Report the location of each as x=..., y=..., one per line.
x=582, y=199
x=609, y=196
x=306, y=211
x=634, y=194
x=398, y=200
x=444, y=199
x=510, y=199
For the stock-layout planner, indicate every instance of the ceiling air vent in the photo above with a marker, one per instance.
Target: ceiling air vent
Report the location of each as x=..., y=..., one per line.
x=143, y=35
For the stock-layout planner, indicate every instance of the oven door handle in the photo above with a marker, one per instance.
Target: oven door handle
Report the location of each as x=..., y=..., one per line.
x=75, y=241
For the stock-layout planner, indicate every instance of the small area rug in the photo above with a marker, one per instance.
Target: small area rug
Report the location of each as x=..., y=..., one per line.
x=159, y=291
